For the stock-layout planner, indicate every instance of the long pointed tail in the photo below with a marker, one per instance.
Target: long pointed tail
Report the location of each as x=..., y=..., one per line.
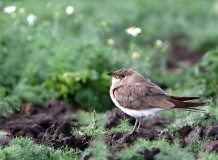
x=184, y=98
x=187, y=105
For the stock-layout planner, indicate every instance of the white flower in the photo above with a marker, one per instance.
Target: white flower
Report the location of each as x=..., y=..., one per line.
x=133, y=31
x=22, y=10
x=31, y=19
x=10, y=9
x=69, y=10
x=159, y=43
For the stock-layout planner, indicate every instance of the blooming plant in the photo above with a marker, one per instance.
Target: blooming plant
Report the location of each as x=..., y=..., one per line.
x=133, y=31
x=10, y=9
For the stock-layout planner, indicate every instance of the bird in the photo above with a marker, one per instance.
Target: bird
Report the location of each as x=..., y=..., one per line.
x=139, y=97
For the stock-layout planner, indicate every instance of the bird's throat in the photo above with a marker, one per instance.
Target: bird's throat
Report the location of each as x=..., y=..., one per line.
x=115, y=80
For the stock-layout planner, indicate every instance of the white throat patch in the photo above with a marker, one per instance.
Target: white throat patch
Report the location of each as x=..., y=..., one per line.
x=115, y=80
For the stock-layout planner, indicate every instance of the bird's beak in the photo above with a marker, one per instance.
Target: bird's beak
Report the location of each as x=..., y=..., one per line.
x=110, y=73
x=113, y=74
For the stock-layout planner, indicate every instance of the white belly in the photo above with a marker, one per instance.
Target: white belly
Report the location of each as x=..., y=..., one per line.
x=136, y=113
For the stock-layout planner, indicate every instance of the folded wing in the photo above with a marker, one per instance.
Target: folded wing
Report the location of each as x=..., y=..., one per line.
x=141, y=96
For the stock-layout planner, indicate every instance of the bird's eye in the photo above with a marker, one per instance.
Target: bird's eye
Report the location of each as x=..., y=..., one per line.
x=122, y=76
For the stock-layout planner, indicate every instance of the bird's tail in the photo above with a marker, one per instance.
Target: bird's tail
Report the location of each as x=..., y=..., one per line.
x=181, y=103
x=184, y=98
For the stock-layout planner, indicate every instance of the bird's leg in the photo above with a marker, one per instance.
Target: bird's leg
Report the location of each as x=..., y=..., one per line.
x=136, y=122
x=139, y=124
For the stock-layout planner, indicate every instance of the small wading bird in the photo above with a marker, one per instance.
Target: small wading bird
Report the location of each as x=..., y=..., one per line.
x=138, y=97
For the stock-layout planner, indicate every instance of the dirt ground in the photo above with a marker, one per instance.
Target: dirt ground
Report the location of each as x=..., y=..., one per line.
x=50, y=124
x=180, y=53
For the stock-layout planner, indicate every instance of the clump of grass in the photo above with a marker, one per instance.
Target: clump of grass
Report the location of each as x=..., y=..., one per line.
x=93, y=124
x=24, y=148
x=8, y=104
x=192, y=119
x=167, y=151
x=122, y=127
x=196, y=146
x=206, y=156
x=207, y=84
x=132, y=152
x=97, y=150
x=34, y=94
x=85, y=118
x=213, y=110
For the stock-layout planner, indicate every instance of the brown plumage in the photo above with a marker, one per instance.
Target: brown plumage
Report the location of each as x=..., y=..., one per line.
x=144, y=95
x=131, y=92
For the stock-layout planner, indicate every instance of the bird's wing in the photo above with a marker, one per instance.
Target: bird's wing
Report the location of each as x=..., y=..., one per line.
x=141, y=96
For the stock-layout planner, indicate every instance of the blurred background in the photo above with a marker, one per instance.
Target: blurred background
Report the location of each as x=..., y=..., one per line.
x=63, y=49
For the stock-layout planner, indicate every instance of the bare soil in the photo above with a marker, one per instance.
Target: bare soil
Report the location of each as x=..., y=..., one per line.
x=51, y=124
x=180, y=53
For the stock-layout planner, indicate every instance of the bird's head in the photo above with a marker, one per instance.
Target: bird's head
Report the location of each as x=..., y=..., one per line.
x=124, y=75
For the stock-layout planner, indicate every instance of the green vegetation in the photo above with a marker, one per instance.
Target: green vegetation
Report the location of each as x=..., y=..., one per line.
x=98, y=150
x=56, y=55
x=8, y=104
x=23, y=149
x=48, y=53
x=167, y=151
x=93, y=124
x=192, y=119
x=123, y=127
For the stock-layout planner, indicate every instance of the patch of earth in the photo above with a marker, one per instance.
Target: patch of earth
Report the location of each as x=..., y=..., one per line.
x=47, y=124
x=180, y=53
x=51, y=124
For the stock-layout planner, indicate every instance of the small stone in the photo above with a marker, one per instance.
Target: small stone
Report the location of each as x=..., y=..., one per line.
x=4, y=133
